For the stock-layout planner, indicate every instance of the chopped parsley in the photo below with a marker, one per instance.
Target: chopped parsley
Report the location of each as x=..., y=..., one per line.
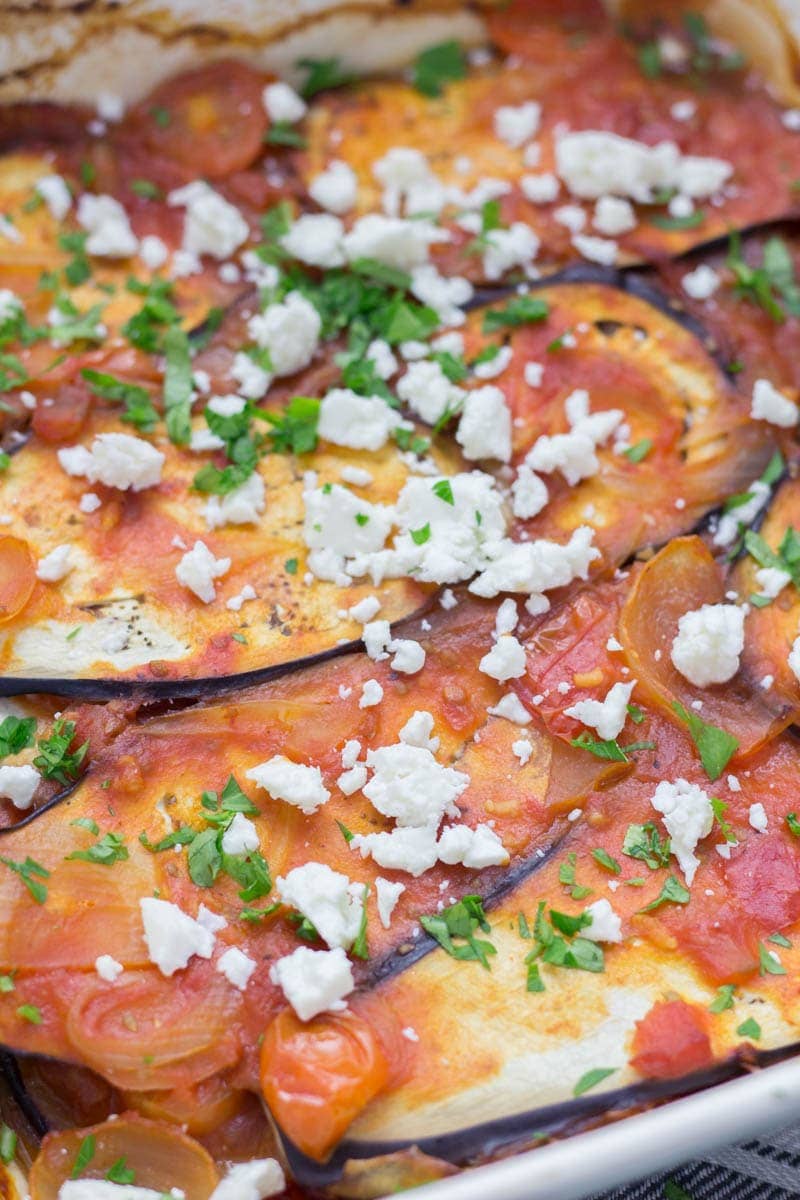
x=772, y=286
x=119, y=1172
x=786, y=558
x=295, y=429
x=84, y=1156
x=557, y=942
x=645, y=843
x=566, y=875
x=422, y=535
x=108, y=850
x=322, y=74
x=55, y=759
x=768, y=963
x=31, y=1013
x=690, y=221
x=639, y=450
x=283, y=133
x=139, y=410
x=793, y=824
x=360, y=949
x=443, y=490
x=592, y=1078
x=719, y=809
x=30, y=872
x=673, y=892
x=749, y=1029
x=8, y=1144
x=455, y=930
x=518, y=311
x=16, y=734
x=715, y=746
x=438, y=65
x=723, y=999
x=177, y=385
x=604, y=859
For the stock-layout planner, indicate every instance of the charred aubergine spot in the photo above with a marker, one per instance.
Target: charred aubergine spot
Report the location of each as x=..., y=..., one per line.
x=541, y=202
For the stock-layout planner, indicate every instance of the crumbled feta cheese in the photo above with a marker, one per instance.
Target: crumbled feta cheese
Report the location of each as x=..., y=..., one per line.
x=338, y=524
x=55, y=194
x=288, y=331
x=257, y=1179
x=386, y=895
x=428, y=392
x=730, y=523
x=412, y=849
x=292, y=782
x=701, y=283
x=380, y=355
x=365, y=609
x=790, y=119
x=409, y=656
x=516, y=246
x=595, y=163
x=733, y=783
x=683, y=110
x=18, y=784
x=606, y=716
x=10, y=305
x=475, y=848
x=771, y=405
x=494, y=366
x=536, y=567
x=517, y=125
x=352, y=780
x=757, y=816
x=328, y=899
x=417, y=731
x=118, y=460
x=522, y=749
x=771, y=581
x=108, y=968
x=376, y=635
x=511, y=708
x=242, y=506
x=241, y=836
x=506, y=618
x=316, y=239
x=571, y=216
x=110, y=107
x=358, y=422
x=314, y=981
x=484, y=430
x=252, y=379
x=392, y=240
x=506, y=660
x=708, y=643
x=235, y=603
x=371, y=694
x=153, y=251
x=55, y=565
x=445, y=293
x=409, y=785
x=688, y=818
x=613, y=216
x=172, y=936
x=106, y=222
x=282, y=103
x=794, y=658
x=540, y=189
x=358, y=476
x=335, y=188
x=212, y=225
x=596, y=249
x=408, y=182
x=236, y=966
x=606, y=925
x=198, y=569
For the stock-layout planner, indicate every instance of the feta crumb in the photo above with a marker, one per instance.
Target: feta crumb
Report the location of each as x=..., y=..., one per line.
x=606, y=924
x=506, y=618
x=153, y=251
x=595, y=163
x=236, y=966
x=55, y=194
x=428, y=392
x=757, y=816
x=293, y=782
x=516, y=125
x=358, y=476
x=314, y=981
x=613, y=216
x=688, y=817
x=316, y=239
x=540, y=189
x=701, y=283
x=511, y=708
x=288, y=331
x=410, y=786
x=771, y=581
x=365, y=609
x=18, y=784
x=242, y=506
x=235, y=603
x=371, y=694
x=386, y=895
x=198, y=569
x=475, y=848
x=399, y=243
x=771, y=405
x=257, y=1179
x=282, y=103
x=55, y=565
x=106, y=222
x=118, y=460
x=212, y=225
x=607, y=716
x=108, y=968
x=241, y=836
x=409, y=656
x=683, y=110
x=516, y=246
x=728, y=528
x=358, y=422
x=529, y=494
x=326, y=898
x=708, y=643
x=417, y=731
x=596, y=249
x=484, y=430
x=444, y=293
x=506, y=660
x=522, y=749
x=336, y=188
x=172, y=936
x=376, y=636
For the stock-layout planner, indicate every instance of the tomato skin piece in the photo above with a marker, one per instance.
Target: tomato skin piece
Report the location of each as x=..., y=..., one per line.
x=211, y=119
x=671, y=1040
x=17, y=576
x=318, y=1076
x=62, y=418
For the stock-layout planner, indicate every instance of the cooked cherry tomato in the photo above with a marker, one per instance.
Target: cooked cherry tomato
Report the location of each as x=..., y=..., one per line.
x=211, y=119
x=670, y=1040
x=318, y=1076
x=17, y=576
x=61, y=418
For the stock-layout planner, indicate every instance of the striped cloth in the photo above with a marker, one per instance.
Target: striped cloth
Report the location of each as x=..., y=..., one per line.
x=766, y=1168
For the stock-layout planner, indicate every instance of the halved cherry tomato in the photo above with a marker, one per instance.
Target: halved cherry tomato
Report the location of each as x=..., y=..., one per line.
x=61, y=418
x=211, y=119
x=670, y=1040
x=318, y=1076
x=17, y=576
